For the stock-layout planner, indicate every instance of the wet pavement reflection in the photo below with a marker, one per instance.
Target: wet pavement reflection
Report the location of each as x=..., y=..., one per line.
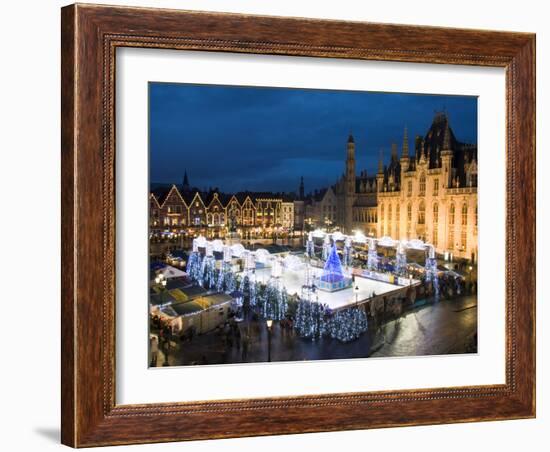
x=445, y=327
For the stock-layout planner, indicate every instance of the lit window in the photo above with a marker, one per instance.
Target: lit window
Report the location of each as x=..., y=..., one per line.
x=464, y=214
x=422, y=186
x=422, y=213
x=452, y=214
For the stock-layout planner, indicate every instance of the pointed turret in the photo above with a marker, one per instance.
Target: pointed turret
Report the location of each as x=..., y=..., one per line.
x=380, y=174
x=301, y=192
x=405, y=152
x=447, y=137
x=185, y=182
x=394, y=151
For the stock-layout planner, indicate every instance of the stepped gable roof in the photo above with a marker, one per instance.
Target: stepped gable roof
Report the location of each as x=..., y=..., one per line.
x=209, y=197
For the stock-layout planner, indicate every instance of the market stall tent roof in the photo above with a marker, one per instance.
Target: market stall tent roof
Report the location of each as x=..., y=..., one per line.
x=196, y=305
x=170, y=272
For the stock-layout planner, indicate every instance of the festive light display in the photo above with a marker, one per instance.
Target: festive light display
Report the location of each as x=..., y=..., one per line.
x=315, y=320
x=222, y=274
x=310, y=247
x=347, y=252
x=326, y=247
x=401, y=260
x=332, y=271
x=270, y=300
x=372, y=258
x=209, y=276
x=431, y=275
x=248, y=286
x=273, y=301
x=194, y=265
x=347, y=325
x=310, y=319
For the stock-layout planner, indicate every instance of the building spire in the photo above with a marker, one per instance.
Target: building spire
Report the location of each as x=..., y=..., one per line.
x=302, y=187
x=447, y=137
x=405, y=153
x=381, y=163
x=185, y=181
x=394, y=151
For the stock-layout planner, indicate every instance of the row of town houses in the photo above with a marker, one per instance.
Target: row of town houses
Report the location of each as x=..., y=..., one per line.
x=175, y=209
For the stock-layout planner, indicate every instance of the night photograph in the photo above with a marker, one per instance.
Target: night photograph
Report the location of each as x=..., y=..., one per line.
x=303, y=224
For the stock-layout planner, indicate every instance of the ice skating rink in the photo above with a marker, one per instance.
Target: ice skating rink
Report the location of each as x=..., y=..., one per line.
x=294, y=280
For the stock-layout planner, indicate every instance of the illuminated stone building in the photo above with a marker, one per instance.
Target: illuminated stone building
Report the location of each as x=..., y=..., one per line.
x=428, y=194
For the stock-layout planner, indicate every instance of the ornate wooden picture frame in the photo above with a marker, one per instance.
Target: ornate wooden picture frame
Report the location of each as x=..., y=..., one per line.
x=90, y=37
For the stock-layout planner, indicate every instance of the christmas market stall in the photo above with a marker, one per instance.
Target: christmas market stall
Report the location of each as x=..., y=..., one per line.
x=202, y=314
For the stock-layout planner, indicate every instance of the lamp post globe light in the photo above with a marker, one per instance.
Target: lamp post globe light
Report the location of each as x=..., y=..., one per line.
x=269, y=324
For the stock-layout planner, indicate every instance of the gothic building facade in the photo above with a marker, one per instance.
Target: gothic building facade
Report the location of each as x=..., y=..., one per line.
x=429, y=193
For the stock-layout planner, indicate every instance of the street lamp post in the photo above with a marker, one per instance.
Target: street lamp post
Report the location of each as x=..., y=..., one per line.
x=161, y=281
x=356, y=296
x=269, y=324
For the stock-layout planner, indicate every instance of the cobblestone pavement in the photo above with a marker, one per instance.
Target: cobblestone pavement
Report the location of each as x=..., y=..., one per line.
x=445, y=327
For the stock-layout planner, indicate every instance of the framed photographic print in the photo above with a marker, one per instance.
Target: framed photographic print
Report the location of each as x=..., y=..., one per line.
x=278, y=225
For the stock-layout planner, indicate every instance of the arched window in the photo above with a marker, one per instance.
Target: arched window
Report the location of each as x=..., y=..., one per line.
x=436, y=187
x=422, y=186
x=409, y=212
x=409, y=188
x=422, y=213
x=451, y=239
x=435, y=224
x=382, y=212
x=464, y=214
x=389, y=212
x=452, y=214
x=476, y=216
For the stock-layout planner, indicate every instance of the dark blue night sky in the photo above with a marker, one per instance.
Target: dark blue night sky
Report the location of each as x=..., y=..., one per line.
x=264, y=139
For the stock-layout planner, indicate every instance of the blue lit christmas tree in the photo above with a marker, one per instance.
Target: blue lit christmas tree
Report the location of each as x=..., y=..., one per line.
x=332, y=271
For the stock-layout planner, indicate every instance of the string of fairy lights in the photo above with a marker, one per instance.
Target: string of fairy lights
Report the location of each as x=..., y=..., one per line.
x=271, y=300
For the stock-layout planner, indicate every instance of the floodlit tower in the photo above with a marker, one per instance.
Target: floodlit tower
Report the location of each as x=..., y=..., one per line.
x=349, y=184
x=380, y=174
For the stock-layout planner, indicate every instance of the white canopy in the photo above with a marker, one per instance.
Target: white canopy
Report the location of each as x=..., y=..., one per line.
x=171, y=272
x=262, y=255
x=237, y=250
x=217, y=245
x=337, y=236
